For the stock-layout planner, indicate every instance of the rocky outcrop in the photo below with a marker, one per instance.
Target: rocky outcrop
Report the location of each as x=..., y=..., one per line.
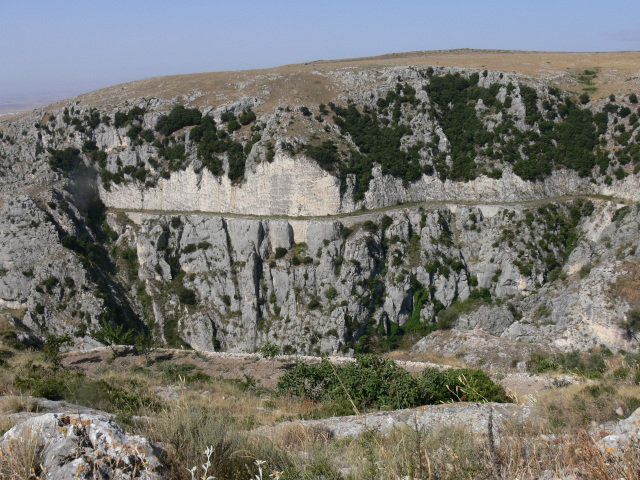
x=627, y=434
x=472, y=416
x=86, y=447
x=298, y=187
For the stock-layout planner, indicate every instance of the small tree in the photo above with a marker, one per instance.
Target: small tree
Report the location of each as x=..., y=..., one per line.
x=52, y=345
x=584, y=98
x=145, y=343
x=112, y=337
x=271, y=351
x=631, y=325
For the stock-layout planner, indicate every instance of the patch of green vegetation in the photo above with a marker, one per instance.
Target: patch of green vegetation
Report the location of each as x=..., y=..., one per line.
x=67, y=161
x=212, y=143
x=375, y=382
x=60, y=384
x=178, y=118
x=590, y=365
x=183, y=372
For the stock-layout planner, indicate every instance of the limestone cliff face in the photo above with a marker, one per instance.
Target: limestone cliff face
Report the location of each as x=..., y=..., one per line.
x=248, y=239
x=284, y=187
x=298, y=187
x=348, y=281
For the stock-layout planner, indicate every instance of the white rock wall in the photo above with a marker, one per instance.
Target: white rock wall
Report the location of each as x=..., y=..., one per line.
x=284, y=187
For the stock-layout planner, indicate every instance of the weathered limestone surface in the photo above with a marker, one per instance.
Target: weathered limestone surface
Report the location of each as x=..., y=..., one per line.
x=473, y=416
x=86, y=447
x=284, y=187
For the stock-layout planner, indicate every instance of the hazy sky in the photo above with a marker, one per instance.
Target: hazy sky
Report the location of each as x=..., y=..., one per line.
x=78, y=46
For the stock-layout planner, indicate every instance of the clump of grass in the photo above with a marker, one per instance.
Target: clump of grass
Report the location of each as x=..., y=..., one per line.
x=591, y=365
x=22, y=458
x=189, y=428
x=18, y=403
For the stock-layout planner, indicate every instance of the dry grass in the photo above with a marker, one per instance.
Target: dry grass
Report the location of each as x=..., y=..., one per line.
x=224, y=414
x=188, y=426
x=22, y=458
x=299, y=437
x=309, y=83
x=627, y=284
x=580, y=406
x=18, y=403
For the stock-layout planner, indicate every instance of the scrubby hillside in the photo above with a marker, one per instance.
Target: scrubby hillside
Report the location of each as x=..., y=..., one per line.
x=334, y=208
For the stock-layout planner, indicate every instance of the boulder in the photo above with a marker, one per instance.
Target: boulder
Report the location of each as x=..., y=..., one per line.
x=84, y=447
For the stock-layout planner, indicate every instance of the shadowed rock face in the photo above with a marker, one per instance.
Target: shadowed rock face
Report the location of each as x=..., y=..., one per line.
x=87, y=447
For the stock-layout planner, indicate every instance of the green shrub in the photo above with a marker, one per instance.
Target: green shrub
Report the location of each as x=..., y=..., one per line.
x=595, y=363
x=178, y=118
x=280, y=252
x=52, y=345
x=247, y=117
x=67, y=161
x=331, y=293
x=186, y=295
x=631, y=324
x=446, y=318
x=174, y=372
x=620, y=373
x=585, y=270
x=375, y=382
x=460, y=385
x=189, y=248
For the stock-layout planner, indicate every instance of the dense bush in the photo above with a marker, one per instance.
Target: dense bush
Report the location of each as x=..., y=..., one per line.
x=247, y=117
x=122, y=119
x=67, y=160
x=460, y=123
x=325, y=154
x=281, y=252
x=379, y=143
x=187, y=296
x=375, y=382
x=178, y=118
x=213, y=142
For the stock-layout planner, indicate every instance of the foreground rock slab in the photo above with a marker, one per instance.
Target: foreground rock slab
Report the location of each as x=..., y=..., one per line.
x=472, y=416
x=84, y=447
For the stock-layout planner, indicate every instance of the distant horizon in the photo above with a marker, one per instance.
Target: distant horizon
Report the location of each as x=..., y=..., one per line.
x=20, y=102
x=70, y=47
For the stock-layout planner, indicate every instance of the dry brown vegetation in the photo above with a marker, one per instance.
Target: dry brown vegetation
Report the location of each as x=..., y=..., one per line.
x=308, y=83
x=193, y=413
x=627, y=284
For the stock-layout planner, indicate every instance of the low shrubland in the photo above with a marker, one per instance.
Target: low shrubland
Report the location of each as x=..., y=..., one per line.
x=231, y=422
